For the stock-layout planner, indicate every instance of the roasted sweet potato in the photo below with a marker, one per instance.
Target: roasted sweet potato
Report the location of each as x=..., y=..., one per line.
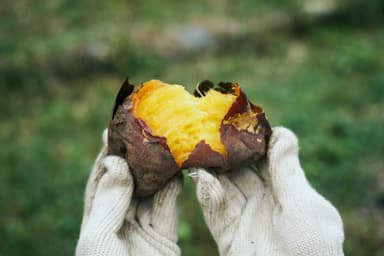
x=160, y=129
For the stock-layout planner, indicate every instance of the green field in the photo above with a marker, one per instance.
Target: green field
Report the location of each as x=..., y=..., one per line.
x=62, y=63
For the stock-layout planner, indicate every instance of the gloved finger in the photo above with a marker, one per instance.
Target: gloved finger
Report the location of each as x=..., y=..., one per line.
x=144, y=211
x=163, y=244
x=220, y=200
x=165, y=212
x=212, y=192
x=248, y=182
x=96, y=173
x=132, y=209
x=156, y=212
x=113, y=196
x=282, y=167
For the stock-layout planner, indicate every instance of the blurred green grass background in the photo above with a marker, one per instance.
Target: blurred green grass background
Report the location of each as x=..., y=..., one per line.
x=316, y=67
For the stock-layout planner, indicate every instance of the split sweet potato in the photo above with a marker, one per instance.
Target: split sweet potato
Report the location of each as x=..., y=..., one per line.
x=161, y=129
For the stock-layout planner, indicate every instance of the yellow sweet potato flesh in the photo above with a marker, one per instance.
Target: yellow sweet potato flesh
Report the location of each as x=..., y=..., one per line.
x=183, y=119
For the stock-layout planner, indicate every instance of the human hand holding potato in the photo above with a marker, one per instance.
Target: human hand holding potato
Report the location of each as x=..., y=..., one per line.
x=273, y=212
x=115, y=222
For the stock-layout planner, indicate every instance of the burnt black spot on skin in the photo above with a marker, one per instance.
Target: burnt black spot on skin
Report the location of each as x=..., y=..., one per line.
x=202, y=88
x=125, y=90
x=225, y=87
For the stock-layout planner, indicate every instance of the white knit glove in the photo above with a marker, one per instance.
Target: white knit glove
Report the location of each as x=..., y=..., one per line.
x=274, y=212
x=115, y=223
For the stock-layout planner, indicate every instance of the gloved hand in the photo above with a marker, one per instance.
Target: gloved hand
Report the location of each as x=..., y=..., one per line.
x=274, y=212
x=115, y=223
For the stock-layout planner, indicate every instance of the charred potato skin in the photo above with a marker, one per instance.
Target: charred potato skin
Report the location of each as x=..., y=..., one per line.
x=148, y=156
x=245, y=132
x=150, y=159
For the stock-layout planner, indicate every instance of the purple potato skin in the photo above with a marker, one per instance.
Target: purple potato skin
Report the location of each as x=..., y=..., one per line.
x=148, y=157
x=244, y=131
x=245, y=145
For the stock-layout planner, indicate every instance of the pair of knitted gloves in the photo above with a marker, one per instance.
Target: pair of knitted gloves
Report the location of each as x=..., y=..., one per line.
x=274, y=212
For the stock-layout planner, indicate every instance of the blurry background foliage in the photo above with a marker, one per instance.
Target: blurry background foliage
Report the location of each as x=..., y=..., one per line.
x=316, y=66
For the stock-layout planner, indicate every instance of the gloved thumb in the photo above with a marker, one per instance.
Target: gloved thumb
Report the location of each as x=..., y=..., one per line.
x=221, y=201
x=210, y=193
x=282, y=167
x=113, y=196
